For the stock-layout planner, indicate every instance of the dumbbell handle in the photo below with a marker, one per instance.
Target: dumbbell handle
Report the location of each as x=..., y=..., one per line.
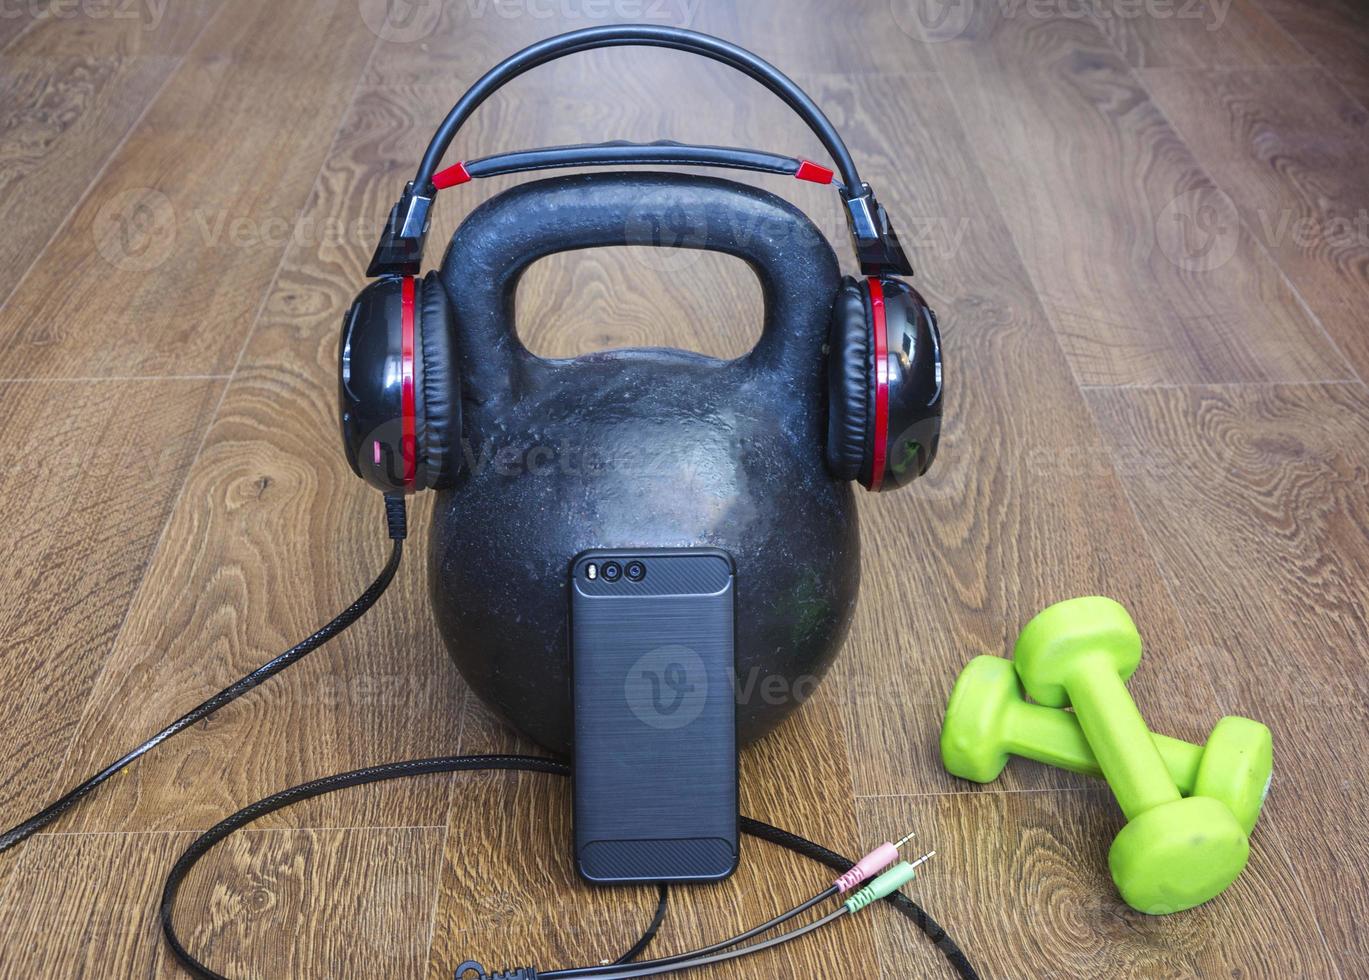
x=1118, y=736
x=1054, y=736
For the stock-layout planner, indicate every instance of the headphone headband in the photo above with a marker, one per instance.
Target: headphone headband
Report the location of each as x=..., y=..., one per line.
x=400, y=250
x=638, y=35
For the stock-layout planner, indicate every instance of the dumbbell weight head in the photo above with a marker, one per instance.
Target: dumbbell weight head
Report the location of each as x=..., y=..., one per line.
x=1178, y=855
x=1058, y=637
x=1237, y=767
x=988, y=720
x=1175, y=852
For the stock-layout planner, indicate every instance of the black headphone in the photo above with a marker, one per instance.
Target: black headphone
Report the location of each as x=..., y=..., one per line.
x=399, y=390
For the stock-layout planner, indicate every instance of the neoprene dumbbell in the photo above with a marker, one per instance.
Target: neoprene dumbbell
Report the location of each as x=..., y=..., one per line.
x=988, y=719
x=1175, y=852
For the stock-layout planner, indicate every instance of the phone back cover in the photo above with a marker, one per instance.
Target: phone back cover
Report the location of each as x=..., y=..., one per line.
x=655, y=719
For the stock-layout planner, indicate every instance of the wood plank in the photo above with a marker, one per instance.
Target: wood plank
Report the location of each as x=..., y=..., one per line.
x=1254, y=501
x=452, y=44
x=163, y=266
x=1287, y=148
x=354, y=904
x=516, y=830
x=86, y=906
x=1197, y=34
x=72, y=88
x=1020, y=880
x=1142, y=266
x=1022, y=508
x=1336, y=32
x=98, y=469
x=275, y=535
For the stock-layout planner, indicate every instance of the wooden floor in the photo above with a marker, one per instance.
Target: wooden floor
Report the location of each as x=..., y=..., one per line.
x=1145, y=228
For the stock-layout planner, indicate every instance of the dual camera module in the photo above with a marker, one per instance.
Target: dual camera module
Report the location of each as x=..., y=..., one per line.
x=611, y=571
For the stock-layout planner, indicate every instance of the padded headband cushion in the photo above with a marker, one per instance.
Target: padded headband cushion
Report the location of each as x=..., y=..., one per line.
x=850, y=388
x=440, y=396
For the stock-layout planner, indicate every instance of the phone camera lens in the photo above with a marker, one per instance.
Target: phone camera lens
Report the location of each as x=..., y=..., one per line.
x=636, y=571
x=612, y=571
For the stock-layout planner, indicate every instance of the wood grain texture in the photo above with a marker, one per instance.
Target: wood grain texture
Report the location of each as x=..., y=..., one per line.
x=1029, y=511
x=1144, y=274
x=162, y=268
x=1197, y=34
x=1286, y=149
x=71, y=89
x=362, y=897
x=1024, y=878
x=1028, y=154
x=1335, y=32
x=1261, y=493
x=86, y=519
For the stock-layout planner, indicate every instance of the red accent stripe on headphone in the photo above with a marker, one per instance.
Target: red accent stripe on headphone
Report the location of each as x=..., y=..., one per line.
x=408, y=438
x=808, y=170
x=881, y=347
x=453, y=175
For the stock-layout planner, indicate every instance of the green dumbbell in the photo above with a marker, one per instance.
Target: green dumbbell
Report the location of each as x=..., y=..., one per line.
x=1175, y=852
x=988, y=719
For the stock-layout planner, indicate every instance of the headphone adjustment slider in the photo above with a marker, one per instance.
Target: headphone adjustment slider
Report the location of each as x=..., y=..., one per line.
x=400, y=249
x=873, y=235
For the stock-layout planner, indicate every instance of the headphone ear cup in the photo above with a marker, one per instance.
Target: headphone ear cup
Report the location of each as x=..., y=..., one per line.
x=438, y=428
x=850, y=383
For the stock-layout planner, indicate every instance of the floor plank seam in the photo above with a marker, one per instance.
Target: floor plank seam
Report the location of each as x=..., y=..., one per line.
x=446, y=838
x=128, y=378
x=1166, y=582
x=1198, y=385
x=1261, y=246
x=1335, y=79
x=228, y=383
x=976, y=792
x=112, y=154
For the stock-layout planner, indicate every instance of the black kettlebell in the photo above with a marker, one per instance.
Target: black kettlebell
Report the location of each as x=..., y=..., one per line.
x=640, y=448
x=537, y=460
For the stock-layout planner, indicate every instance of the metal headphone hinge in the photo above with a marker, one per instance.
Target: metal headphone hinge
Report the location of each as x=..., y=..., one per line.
x=400, y=249
x=873, y=235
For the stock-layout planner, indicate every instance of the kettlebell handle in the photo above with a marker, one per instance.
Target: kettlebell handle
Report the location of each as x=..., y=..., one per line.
x=499, y=240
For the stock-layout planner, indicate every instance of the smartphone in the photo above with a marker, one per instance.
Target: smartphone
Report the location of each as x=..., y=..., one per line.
x=653, y=672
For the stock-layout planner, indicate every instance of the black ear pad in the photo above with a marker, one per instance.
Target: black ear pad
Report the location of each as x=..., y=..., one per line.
x=438, y=387
x=850, y=382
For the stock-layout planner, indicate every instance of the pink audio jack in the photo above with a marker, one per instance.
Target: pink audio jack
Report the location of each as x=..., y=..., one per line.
x=870, y=865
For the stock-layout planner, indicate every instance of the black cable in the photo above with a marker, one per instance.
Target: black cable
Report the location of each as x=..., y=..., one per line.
x=395, y=522
x=783, y=917
x=470, y=763
x=910, y=909
x=643, y=35
x=646, y=970
x=653, y=927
